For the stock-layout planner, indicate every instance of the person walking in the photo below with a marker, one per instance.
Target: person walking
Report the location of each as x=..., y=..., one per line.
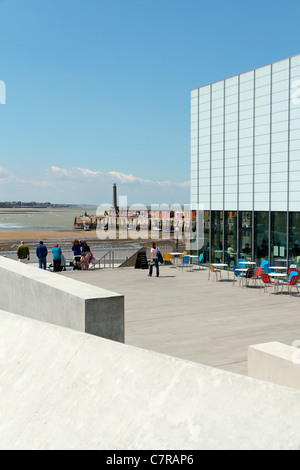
x=56, y=252
x=76, y=248
x=23, y=253
x=41, y=253
x=154, y=259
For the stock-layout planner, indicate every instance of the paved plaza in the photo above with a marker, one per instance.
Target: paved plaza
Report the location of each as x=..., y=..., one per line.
x=185, y=315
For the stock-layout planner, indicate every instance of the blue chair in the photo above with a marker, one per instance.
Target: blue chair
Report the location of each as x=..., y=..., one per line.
x=241, y=263
x=238, y=274
x=198, y=261
x=185, y=262
x=265, y=266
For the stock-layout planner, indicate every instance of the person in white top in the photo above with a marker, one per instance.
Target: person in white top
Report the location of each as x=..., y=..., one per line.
x=154, y=259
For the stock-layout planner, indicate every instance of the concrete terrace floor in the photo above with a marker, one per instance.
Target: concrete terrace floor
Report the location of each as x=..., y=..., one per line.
x=183, y=314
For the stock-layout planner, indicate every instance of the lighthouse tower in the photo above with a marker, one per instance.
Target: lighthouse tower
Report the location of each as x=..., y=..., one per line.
x=115, y=205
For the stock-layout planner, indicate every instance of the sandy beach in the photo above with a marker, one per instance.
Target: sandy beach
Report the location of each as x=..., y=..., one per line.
x=9, y=241
x=46, y=235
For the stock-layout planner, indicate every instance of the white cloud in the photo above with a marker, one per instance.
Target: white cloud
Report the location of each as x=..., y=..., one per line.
x=128, y=179
x=7, y=177
x=59, y=171
x=3, y=171
x=83, y=185
x=116, y=176
x=90, y=173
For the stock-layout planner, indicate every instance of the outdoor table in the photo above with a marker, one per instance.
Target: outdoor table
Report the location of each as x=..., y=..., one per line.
x=279, y=268
x=248, y=262
x=176, y=257
x=191, y=258
x=277, y=276
x=221, y=265
x=241, y=270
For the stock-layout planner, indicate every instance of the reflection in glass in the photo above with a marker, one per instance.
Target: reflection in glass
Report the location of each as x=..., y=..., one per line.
x=206, y=246
x=246, y=235
x=294, y=238
x=230, y=229
x=217, y=236
x=261, y=237
x=278, y=238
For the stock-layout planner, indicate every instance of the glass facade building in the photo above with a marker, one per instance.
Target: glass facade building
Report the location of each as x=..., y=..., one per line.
x=245, y=164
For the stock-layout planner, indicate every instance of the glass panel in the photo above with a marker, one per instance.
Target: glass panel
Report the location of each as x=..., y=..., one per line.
x=204, y=90
x=230, y=229
x=205, y=249
x=202, y=243
x=246, y=235
x=245, y=77
x=295, y=60
x=217, y=236
x=294, y=238
x=262, y=71
x=278, y=238
x=261, y=237
x=281, y=65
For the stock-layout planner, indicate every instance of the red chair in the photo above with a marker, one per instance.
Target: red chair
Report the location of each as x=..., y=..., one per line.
x=289, y=271
x=291, y=283
x=266, y=280
x=257, y=275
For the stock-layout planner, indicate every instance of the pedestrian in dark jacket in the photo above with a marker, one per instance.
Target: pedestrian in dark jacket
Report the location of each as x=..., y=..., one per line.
x=76, y=248
x=41, y=253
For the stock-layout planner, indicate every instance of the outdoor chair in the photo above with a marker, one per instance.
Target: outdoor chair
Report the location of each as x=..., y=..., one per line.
x=215, y=271
x=265, y=266
x=292, y=282
x=241, y=263
x=249, y=275
x=257, y=275
x=185, y=262
x=167, y=259
x=266, y=280
x=198, y=261
x=289, y=271
x=237, y=274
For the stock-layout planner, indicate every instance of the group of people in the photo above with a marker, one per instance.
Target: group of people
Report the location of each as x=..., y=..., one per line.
x=81, y=255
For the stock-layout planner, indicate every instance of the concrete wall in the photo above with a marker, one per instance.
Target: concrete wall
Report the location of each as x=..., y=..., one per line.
x=52, y=298
x=62, y=389
x=276, y=363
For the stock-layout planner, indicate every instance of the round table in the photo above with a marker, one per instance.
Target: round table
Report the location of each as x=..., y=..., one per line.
x=279, y=268
x=276, y=277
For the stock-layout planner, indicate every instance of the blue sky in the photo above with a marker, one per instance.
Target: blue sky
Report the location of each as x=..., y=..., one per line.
x=99, y=91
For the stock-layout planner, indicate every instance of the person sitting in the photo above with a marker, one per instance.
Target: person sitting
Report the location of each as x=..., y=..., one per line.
x=76, y=248
x=85, y=248
x=85, y=260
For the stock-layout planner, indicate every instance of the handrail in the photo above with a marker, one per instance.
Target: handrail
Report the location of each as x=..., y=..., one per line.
x=111, y=255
